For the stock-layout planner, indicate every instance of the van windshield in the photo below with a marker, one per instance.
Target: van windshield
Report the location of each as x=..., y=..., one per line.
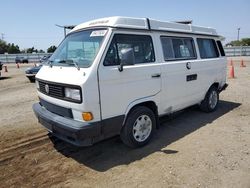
x=78, y=49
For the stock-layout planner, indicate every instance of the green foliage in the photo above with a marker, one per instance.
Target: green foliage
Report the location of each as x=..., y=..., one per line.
x=9, y=48
x=246, y=41
x=31, y=50
x=41, y=51
x=51, y=49
x=242, y=42
x=3, y=47
x=13, y=49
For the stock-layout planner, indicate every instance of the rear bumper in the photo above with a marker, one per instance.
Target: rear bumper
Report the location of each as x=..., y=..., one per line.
x=72, y=131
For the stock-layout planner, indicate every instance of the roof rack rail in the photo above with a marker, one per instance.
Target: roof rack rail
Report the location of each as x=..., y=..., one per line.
x=185, y=22
x=70, y=27
x=185, y=26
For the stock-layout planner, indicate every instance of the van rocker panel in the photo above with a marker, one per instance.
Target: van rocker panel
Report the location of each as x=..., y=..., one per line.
x=76, y=132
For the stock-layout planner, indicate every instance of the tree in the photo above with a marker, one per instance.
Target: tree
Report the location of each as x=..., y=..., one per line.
x=242, y=42
x=31, y=50
x=51, y=49
x=3, y=47
x=9, y=48
x=41, y=51
x=245, y=41
x=13, y=49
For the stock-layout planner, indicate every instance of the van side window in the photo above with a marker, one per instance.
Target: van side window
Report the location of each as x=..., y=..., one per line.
x=207, y=48
x=222, y=52
x=142, y=45
x=175, y=48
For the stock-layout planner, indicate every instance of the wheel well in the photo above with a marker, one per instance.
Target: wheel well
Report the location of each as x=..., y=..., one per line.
x=152, y=106
x=216, y=84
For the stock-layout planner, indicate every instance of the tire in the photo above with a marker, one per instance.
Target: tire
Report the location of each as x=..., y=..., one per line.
x=210, y=102
x=139, y=127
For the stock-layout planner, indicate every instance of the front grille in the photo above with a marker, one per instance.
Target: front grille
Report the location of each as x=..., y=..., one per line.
x=56, y=90
x=53, y=90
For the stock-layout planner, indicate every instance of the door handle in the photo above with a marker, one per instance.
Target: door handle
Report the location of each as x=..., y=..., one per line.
x=188, y=65
x=157, y=75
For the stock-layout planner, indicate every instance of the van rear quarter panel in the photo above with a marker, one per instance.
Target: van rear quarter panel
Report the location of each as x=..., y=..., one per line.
x=176, y=92
x=209, y=71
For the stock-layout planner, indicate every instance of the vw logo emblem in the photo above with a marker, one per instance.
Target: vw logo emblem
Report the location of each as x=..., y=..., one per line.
x=47, y=88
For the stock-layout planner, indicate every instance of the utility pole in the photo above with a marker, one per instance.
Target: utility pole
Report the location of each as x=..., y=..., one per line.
x=238, y=37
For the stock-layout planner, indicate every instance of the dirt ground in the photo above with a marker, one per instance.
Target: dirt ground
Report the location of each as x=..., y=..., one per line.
x=191, y=148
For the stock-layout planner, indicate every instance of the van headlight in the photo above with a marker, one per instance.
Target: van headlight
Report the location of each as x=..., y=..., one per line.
x=74, y=94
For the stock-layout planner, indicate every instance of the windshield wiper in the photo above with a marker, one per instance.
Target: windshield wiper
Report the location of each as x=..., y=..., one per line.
x=70, y=62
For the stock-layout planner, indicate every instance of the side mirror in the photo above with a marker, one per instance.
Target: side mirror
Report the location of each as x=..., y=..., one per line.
x=127, y=58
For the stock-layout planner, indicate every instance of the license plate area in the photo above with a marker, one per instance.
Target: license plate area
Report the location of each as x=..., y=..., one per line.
x=47, y=125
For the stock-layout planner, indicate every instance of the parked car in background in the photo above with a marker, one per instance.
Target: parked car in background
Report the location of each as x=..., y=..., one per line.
x=21, y=60
x=32, y=71
x=44, y=58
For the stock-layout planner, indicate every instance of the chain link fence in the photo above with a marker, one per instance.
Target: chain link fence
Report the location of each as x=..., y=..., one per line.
x=34, y=57
x=237, y=51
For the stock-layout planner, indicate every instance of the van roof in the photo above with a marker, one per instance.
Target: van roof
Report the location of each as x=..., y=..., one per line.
x=145, y=24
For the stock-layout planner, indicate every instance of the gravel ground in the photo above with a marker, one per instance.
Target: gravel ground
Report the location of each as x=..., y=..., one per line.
x=191, y=148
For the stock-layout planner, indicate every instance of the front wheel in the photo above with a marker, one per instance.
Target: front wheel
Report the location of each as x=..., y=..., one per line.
x=139, y=127
x=210, y=103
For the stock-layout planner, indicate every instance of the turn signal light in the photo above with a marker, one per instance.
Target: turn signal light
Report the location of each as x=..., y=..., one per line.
x=87, y=116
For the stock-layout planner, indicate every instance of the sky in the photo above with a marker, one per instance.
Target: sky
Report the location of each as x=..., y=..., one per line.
x=30, y=23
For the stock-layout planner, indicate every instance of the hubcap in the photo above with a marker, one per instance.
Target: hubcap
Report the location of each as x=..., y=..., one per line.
x=213, y=99
x=142, y=128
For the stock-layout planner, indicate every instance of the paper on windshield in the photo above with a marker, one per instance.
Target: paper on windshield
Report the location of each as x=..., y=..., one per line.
x=98, y=33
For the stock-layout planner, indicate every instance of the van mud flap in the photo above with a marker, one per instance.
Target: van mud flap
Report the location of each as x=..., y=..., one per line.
x=223, y=87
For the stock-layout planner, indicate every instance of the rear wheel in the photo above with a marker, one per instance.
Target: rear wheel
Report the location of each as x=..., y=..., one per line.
x=139, y=127
x=210, y=103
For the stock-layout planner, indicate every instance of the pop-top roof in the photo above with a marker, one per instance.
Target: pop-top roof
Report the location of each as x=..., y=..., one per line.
x=145, y=23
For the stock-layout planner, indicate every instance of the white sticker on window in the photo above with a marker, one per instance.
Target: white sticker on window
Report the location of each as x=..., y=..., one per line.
x=98, y=33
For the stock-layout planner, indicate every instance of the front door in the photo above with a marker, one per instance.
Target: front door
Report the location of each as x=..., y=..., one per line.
x=141, y=80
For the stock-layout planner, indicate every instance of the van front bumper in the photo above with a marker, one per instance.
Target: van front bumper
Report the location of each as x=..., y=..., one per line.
x=72, y=131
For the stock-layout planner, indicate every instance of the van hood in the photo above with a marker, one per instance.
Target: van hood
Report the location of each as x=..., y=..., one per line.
x=61, y=74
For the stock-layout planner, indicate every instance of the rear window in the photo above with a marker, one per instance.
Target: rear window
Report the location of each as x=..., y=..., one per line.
x=222, y=52
x=207, y=48
x=175, y=48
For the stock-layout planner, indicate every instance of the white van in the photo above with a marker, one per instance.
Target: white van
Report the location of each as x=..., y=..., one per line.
x=118, y=75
